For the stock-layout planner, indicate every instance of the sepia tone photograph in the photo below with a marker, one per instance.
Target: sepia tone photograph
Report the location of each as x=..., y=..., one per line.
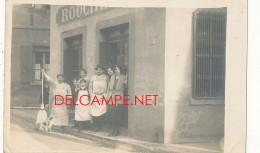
x=86, y=78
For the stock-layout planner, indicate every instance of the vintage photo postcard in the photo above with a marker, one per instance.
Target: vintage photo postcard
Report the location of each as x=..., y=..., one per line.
x=147, y=77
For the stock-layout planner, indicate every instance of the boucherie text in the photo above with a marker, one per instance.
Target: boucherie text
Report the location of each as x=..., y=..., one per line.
x=106, y=100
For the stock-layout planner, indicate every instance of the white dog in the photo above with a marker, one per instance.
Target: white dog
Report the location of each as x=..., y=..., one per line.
x=47, y=125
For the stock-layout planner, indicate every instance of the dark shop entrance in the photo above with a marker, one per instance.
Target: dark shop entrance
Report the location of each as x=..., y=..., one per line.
x=72, y=57
x=113, y=50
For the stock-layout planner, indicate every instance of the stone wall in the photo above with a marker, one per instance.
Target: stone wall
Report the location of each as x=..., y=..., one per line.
x=185, y=122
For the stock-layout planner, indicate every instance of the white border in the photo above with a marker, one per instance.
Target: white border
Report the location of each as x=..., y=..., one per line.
x=253, y=96
x=2, y=23
x=253, y=78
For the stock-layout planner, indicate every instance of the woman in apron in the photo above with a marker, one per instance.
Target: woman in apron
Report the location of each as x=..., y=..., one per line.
x=82, y=109
x=83, y=75
x=98, y=88
x=59, y=113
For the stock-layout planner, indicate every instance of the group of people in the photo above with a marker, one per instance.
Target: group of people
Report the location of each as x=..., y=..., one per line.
x=89, y=116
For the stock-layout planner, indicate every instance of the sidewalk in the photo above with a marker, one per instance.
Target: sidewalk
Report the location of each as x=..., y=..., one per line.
x=125, y=142
x=134, y=145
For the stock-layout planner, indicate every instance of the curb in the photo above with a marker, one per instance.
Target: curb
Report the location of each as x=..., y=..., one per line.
x=125, y=145
x=141, y=147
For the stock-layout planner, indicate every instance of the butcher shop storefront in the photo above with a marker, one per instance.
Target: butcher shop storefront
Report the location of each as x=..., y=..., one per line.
x=156, y=49
x=85, y=36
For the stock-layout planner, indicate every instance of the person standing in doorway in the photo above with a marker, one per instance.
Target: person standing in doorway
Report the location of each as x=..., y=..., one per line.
x=116, y=87
x=98, y=88
x=110, y=72
x=59, y=113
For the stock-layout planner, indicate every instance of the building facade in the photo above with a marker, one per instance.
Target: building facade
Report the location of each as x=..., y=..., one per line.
x=113, y=36
x=195, y=92
x=187, y=73
x=30, y=52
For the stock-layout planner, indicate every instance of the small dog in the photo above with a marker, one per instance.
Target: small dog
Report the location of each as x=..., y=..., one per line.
x=46, y=126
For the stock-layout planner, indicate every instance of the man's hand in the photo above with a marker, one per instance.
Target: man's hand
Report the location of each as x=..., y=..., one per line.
x=43, y=72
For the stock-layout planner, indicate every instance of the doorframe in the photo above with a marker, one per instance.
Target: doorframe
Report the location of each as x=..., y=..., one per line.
x=129, y=18
x=70, y=33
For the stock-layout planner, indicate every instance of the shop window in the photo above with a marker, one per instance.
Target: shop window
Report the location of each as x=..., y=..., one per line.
x=41, y=61
x=209, y=47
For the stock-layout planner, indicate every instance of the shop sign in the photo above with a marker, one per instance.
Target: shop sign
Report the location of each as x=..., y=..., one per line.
x=72, y=13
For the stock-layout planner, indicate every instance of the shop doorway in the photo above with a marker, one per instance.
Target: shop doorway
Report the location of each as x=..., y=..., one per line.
x=113, y=50
x=72, y=57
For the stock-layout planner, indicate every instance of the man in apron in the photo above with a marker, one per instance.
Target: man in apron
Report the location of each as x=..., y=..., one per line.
x=98, y=87
x=59, y=111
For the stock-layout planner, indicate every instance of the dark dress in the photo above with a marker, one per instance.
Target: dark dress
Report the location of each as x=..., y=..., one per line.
x=114, y=114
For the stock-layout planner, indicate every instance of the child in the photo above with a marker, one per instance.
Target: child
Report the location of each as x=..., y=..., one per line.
x=72, y=107
x=82, y=114
x=83, y=75
x=73, y=89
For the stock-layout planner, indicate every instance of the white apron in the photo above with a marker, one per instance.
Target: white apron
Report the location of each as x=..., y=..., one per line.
x=82, y=112
x=60, y=112
x=98, y=109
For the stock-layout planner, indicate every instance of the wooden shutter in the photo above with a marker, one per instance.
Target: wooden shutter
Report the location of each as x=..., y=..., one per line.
x=26, y=58
x=104, y=54
x=209, y=46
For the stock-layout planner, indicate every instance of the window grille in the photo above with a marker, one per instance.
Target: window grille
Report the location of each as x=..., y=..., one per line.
x=209, y=47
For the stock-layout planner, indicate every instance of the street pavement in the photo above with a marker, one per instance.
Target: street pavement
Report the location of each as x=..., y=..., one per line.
x=25, y=139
